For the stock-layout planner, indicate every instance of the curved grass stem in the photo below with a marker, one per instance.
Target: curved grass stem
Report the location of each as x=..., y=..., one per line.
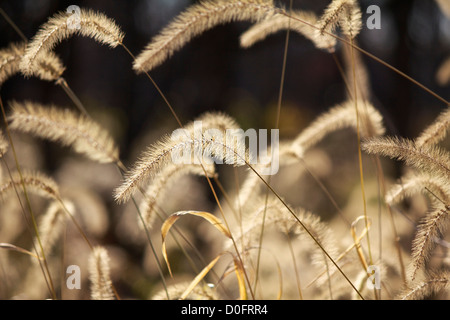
x=358, y=133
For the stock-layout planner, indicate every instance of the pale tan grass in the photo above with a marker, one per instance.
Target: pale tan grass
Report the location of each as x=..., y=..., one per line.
x=420, y=183
x=279, y=22
x=277, y=215
x=35, y=182
x=3, y=145
x=48, y=66
x=435, y=132
x=10, y=59
x=431, y=159
x=337, y=118
x=67, y=127
x=344, y=13
x=99, y=275
x=432, y=227
x=196, y=20
x=58, y=28
x=191, y=145
x=51, y=225
x=426, y=288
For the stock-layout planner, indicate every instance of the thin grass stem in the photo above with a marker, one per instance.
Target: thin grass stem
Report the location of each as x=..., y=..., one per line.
x=28, y=203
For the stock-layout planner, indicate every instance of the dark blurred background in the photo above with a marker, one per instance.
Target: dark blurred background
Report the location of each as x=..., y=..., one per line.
x=213, y=73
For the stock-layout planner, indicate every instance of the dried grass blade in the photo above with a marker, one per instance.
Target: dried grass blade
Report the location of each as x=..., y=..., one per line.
x=443, y=73
x=34, y=181
x=240, y=275
x=357, y=240
x=420, y=183
x=160, y=185
x=3, y=145
x=99, y=274
x=200, y=276
x=169, y=222
x=337, y=118
x=341, y=256
x=278, y=22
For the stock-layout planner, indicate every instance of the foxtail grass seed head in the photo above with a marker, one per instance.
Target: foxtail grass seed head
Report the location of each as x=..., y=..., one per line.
x=194, y=21
x=35, y=182
x=434, y=160
x=175, y=291
x=277, y=215
x=92, y=24
x=99, y=275
x=192, y=144
x=51, y=224
x=351, y=21
x=343, y=13
x=302, y=22
x=64, y=126
x=436, y=132
x=48, y=66
x=337, y=118
x=3, y=145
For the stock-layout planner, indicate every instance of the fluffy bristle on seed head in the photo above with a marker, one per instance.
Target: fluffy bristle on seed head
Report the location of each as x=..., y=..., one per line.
x=212, y=138
x=65, y=126
x=339, y=117
x=3, y=145
x=195, y=20
x=343, y=13
x=48, y=66
x=62, y=26
x=99, y=274
x=34, y=181
x=302, y=22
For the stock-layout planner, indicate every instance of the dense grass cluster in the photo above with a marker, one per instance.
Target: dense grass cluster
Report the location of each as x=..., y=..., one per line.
x=260, y=239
